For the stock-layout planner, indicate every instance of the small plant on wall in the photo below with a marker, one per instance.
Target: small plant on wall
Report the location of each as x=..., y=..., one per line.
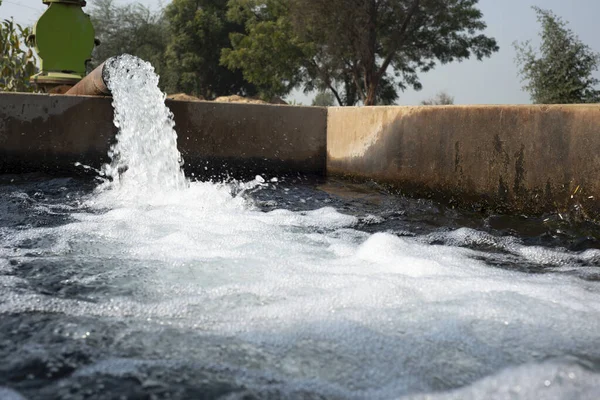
x=17, y=61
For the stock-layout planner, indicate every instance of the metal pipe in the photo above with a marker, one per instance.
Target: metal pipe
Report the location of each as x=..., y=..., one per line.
x=94, y=84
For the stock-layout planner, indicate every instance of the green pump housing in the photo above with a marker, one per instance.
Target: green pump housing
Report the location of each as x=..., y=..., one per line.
x=64, y=41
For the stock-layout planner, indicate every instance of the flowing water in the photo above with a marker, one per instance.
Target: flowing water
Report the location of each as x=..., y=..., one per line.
x=150, y=286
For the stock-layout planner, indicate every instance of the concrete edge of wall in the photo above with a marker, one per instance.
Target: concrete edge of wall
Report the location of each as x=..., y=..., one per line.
x=509, y=159
x=50, y=133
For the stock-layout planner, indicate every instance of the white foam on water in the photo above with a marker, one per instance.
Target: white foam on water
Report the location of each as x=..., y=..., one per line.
x=303, y=295
x=548, y=380
x=313, y=300
x=385, y=317
x=555, y=258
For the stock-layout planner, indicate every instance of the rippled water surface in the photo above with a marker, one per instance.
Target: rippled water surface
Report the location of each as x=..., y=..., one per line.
x=148, y=286
x=289, y=290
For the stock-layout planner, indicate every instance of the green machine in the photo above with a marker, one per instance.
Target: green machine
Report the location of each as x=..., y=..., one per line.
x=64, y=41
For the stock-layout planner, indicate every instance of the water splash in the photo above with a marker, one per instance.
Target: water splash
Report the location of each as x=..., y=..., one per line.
x=145, y=157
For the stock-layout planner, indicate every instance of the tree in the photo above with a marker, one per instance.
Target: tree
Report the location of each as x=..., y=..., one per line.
x=440, y=99
x=562, y=73
x=133, y=29
x=199, y=30
x=359, y=49
x=265, y=50
x=17, y=62
x=323, y=99
x=273, y=56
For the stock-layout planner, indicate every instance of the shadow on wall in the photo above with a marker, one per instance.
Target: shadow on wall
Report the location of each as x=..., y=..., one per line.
x=46, y=133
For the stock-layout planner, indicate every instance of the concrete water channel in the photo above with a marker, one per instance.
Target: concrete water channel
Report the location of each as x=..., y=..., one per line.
x=345, y=253
x=342, y=253
x=394, y=252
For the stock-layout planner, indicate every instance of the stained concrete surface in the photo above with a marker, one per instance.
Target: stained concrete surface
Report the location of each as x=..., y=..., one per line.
x=243, y=139
x=515, y=159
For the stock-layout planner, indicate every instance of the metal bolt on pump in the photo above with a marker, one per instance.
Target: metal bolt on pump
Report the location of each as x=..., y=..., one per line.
x=64, y=40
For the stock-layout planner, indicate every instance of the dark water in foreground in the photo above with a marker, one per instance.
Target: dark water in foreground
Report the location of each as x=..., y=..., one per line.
x=301, y=290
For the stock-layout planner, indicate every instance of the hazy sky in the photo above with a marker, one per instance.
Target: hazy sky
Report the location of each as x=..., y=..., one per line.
x=492, y=81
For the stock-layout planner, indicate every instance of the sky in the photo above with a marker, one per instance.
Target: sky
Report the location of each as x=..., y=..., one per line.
x=494, y=80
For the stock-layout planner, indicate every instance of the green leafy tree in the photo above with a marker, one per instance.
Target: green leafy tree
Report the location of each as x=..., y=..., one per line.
x=133, y=29
x=199, y=30
x=563, y=71
x=17, y=62
x=265, y=49
x=324, y=99
x=274, y=56
x=440, y=99
x=360, y=50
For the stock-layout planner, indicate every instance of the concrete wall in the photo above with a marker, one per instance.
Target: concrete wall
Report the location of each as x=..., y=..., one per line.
x=248, y=139
x=51, y=133
x=517, y=159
